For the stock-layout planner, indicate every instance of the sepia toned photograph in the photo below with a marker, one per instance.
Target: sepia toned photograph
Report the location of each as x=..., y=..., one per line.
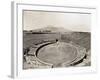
x=54, y=39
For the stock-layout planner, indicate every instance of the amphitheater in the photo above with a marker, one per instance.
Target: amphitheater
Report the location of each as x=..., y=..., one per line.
x=54, y=53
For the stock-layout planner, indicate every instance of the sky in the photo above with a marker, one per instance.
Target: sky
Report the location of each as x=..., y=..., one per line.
x=70, y=21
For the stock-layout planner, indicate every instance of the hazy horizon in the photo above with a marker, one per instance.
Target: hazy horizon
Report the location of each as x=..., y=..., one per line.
x=70, y=21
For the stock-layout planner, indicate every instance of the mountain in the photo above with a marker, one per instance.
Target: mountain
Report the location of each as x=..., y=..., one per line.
x=51, y=29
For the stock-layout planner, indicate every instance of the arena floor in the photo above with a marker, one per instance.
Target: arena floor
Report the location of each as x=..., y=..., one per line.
x=57, y=53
